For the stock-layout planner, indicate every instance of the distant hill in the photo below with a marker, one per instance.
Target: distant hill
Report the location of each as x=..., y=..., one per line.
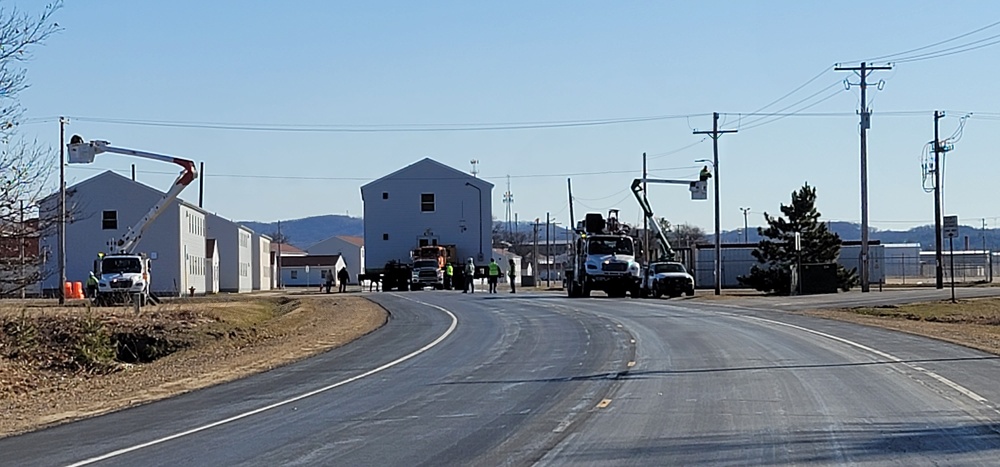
x=924, y=235
x=306, y=232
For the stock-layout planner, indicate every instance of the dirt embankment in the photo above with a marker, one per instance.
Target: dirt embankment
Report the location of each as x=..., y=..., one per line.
x=63, y=363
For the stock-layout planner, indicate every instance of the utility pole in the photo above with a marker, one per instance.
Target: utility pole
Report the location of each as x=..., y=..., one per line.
x=201, y=185
x=572, y=218
x=534, y=255
x=863, y=71
x=938, y=255
x=746, y=211
x=24, y=232
x=277, y=260
x=548, y=252
x=508, y=199
x=645, y=222
x=62, y=209
x=715, y=134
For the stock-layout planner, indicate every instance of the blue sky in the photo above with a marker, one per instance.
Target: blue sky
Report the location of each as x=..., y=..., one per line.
x=445, y=65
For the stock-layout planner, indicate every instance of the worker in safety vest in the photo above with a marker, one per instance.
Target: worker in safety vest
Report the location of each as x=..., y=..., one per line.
x=494, y=275
x=92, y=286
x=470, y=272
x=705, y=174
x=448, y=272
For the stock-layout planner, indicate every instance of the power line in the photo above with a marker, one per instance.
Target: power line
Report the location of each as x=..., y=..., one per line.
x=906, y=52
x=386, y=128
x=952, y=50
x=321, y=178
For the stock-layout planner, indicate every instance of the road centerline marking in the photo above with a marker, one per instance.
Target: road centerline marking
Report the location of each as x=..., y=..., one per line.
x=386, y=366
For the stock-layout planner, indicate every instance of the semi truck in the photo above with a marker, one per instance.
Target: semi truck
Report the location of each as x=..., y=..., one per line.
x=429, y=265
x=124, y=275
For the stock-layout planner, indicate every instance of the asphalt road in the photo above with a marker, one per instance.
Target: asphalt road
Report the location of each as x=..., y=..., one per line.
x=519, y=379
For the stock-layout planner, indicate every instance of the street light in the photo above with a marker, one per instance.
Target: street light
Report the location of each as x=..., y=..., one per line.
x=718, y=232
x=745, y=210
x=480, y=218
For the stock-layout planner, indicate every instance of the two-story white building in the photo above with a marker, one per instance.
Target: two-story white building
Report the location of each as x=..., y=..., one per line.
x=351, y=249
x=261, y=264
x=234, y=243
x=427, y=203
x=105, y=207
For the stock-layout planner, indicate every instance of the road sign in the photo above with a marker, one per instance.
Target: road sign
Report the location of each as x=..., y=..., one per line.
x=951, y=226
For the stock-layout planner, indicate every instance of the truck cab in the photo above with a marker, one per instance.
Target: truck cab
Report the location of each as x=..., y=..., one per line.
x=668, y=278
x=121, y=277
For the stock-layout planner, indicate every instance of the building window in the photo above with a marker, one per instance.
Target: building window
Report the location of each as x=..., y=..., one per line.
x=385, y=236
x=295, y=274
x=385, y=195
x=109, y=220
x=427, y=202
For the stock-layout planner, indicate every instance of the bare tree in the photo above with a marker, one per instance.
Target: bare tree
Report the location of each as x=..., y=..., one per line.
x=25, y=165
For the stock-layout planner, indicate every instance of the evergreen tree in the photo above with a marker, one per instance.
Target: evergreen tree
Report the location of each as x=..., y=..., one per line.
x=776, y=253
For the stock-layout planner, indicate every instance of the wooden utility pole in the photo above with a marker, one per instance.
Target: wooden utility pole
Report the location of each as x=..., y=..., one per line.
x=715, y=134
x=938, y=255
x=863, y=71
x=645, y=222
x=62, y=209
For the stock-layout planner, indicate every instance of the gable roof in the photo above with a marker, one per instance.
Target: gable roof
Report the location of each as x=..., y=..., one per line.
x=317, y=260
x=107, y=175
x=286, y=249
x=356, y=241
x=447, y=172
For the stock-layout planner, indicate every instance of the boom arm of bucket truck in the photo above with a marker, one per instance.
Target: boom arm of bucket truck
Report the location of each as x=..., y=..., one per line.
x=666, y=251
x=81, y=152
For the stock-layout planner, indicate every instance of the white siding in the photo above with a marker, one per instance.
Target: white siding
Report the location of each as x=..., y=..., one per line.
x=354, y=255
x=235, y=253
x=193, y=271
x=261, y=262
x=86, y=235
x=394, y=222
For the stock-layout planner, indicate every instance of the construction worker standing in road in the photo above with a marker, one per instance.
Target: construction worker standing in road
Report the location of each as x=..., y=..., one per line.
x=511, y=273
x=494, y=275
x=343, y=277
x=470, y=272
x=449, y=271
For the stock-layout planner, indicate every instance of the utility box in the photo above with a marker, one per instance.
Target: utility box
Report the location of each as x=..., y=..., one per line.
x=819, y=278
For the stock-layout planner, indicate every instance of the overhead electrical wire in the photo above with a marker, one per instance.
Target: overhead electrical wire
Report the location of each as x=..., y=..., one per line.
x=322, y=178
x=382, y=128
x=918, y=49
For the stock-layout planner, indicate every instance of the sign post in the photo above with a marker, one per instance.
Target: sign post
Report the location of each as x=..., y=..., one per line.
x=951, y=231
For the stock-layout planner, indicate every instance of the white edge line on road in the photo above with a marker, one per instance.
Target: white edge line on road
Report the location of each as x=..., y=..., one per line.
x=947, y=382
x=441, y=338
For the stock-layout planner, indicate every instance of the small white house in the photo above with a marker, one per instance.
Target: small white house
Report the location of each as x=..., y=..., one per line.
x=352, y=249
x=261, y=264
x=105, y=207
x=426, y=203
x=235, y=253
x=310, y=271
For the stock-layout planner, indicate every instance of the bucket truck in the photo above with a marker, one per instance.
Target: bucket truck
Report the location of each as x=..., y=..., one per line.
x=664, y=275
x=123, y=274
x=604, y=258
